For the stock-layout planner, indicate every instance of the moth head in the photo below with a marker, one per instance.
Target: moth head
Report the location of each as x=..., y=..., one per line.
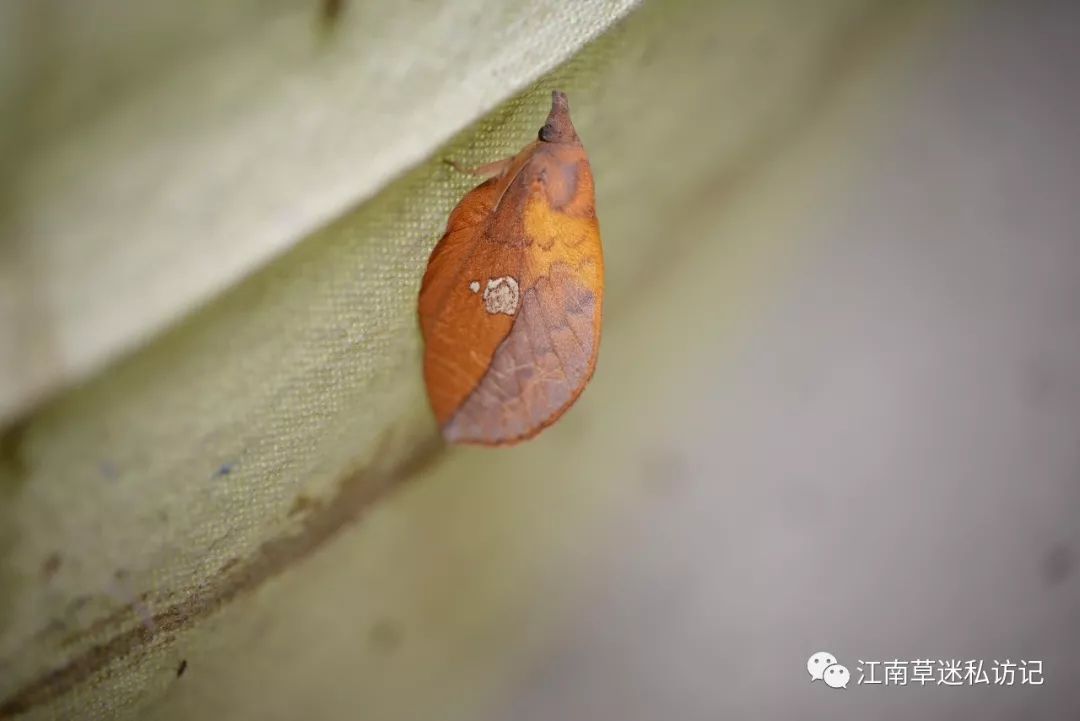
x=558, y=128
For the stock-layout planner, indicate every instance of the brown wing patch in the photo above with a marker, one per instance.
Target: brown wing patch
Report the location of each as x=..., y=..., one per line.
x=460, y=335
x=538, y=370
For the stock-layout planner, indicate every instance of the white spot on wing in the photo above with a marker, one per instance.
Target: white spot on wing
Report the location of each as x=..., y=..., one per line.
x=475, y=286
x=502, y=295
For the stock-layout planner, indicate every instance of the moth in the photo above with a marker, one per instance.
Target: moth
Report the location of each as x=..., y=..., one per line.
x=510, y=303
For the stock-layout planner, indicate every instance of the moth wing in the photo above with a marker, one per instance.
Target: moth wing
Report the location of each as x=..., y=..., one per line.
x=460, y=335
x=549, y=352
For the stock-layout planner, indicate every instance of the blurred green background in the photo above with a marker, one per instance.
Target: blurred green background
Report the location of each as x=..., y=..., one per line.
x=835, y=406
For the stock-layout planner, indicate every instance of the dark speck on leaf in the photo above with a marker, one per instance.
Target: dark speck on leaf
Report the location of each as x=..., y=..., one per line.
x=181, y=668
x=51, y=565
x=331, y=11
x=225, y=470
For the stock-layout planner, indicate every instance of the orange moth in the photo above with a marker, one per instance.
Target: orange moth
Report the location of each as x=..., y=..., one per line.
x=511, y=300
